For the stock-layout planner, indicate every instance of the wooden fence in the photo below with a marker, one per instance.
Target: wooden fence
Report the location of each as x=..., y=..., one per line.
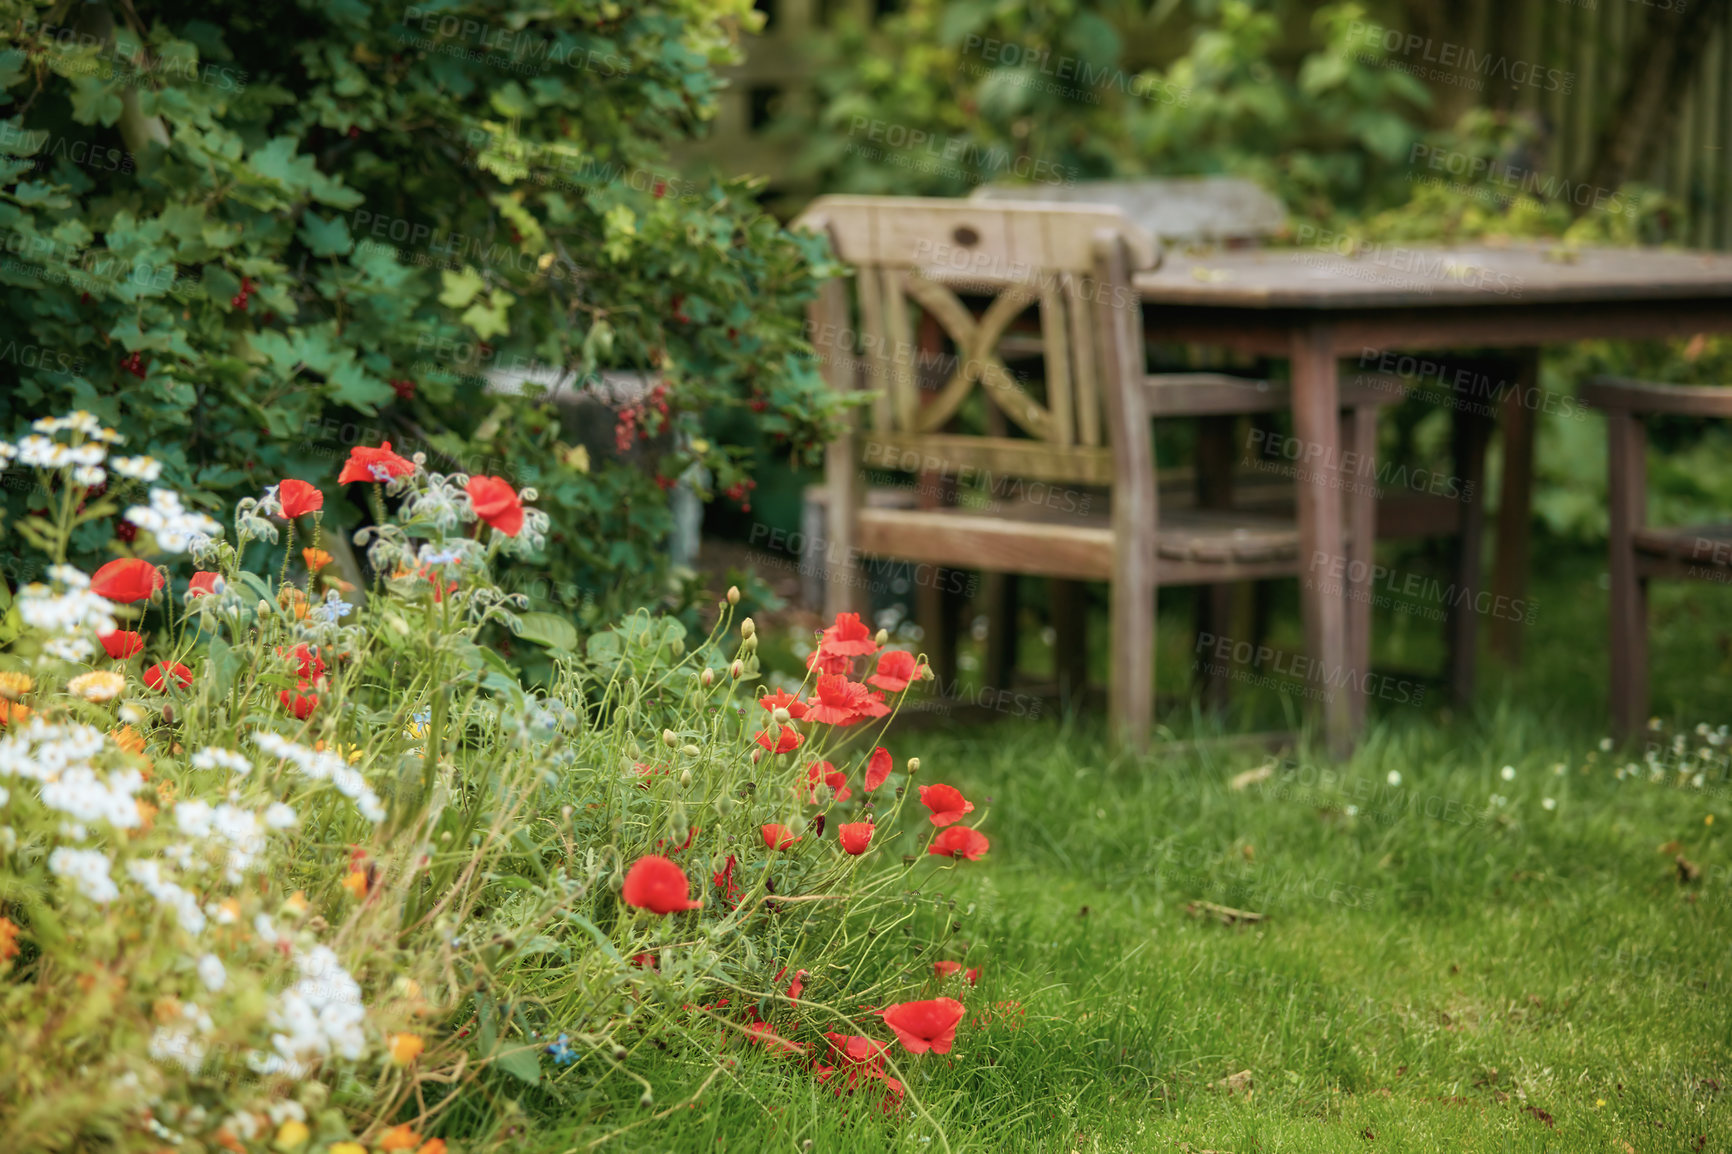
x=1593, y=41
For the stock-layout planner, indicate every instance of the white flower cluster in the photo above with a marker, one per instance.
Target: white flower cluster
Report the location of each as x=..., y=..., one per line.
x=146, y=469
x=176, y=528
x=325, y=766
x=239, y=828
x=212, y=757
x=40, y=450
x=183, y=1043
x=322, y=1013
x=442, y=503
x=181, y=900
x=58, y=758
x=74, y=607
x=88, y=869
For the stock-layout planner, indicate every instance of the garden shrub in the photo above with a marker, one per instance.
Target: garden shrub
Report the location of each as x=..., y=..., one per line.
x=280, y=870
x=257, y=236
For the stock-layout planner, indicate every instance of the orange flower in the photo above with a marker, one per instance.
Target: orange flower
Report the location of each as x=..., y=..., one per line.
x=8, y=939
x=432, y=1146
x=399, y=1138
x=128, y=739
x=316, y=559
x=405, y=1048
x=355, y=881
x=11, y=711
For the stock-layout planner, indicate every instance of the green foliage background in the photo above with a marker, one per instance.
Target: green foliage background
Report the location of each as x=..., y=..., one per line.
x=414, y=195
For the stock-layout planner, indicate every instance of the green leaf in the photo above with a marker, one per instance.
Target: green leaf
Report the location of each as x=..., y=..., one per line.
x=94, y=102
x=489, y=320
x=460, y=287
x=325, y=237
x=549, y=629
x=225, y=663
x=523, y=1062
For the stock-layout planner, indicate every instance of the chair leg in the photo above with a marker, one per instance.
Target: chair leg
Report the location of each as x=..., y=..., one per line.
x=1070, y=644
x=1468, y=445
x=1215, y=491
x=999, y=592
x=1133, y=641
x=1626, y=442
x=1214, y=619
x=1359, y=437
x=1515, y=506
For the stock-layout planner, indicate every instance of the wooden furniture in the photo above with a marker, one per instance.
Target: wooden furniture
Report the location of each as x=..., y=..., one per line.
x=1639, y=551
x=1082, y=427
x=1183, y=209
x=1317, y=307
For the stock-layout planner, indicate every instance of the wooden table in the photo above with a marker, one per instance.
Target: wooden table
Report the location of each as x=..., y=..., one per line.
x=1315, y=306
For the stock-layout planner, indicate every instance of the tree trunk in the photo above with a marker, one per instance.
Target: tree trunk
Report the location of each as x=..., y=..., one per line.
x=1646, y=109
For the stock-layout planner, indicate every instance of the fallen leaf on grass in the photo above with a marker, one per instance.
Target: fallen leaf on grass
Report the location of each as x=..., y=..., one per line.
x=1227, y=914
x=1252, y=777
x=1234, y=1083
x=1688, y=871
x=1541, y=1115
x=1671, y=847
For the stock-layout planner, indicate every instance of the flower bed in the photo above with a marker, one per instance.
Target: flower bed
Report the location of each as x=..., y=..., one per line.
x=287, y=867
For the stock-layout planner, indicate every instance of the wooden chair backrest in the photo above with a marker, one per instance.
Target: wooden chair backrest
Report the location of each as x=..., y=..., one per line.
x=912, y=254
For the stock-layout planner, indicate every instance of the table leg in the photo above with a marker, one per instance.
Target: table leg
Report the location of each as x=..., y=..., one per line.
x=1359, y=437
x=1322, y=549
x=1515, y=506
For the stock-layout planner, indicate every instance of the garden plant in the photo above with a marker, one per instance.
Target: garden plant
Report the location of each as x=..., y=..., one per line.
x=291, y=865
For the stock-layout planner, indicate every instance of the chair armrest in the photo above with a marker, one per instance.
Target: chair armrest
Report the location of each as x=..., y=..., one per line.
x=1619, y=393
x=1220, y=395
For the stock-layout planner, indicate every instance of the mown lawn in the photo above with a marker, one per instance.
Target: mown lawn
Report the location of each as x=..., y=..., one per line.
x=1435, y=969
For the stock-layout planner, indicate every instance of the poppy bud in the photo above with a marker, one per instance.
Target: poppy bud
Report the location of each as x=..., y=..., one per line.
x=749, y=645
x=913, y=765
x=264, y=608
x=883, y=637
x=733, y=595
x=619, y=1054
x=168, y=713
x=747, y=629
x=707, y=678
x=669, y=739
x=685, y=778
x=780, y=716
x=690, y=750
x=756, y=755
x=737, y=669
x=818, y=825
x=647, y=1099
x=725, y=804
x=681, y=827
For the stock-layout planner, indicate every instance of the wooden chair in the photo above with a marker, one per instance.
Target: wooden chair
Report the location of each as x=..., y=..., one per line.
x=1088, y=429
x=1639, y=551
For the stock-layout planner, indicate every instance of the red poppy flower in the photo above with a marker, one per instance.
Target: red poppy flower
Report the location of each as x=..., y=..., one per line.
x=838, y=702
x=849, y=637
x=794, y=987
x=298, y=498
x=923, y=1026
x=830, y=776
x=946, y=802
x=307, y=660
x=877, y=768
x=855, y=836
x=300, y=703
x=972, y=976
x=379, y=464
x=204, y=582
x=782, y=699
x=127, y=580
x=786, y=742
x=873, y=706
x=121, y=644
x=157, y=674
x=658, y=885
x=778, y=836
x=496, y=503
x=823, y=661
x=858, y=1056
x=896, y=670
x=960, y=841
x=945, y=969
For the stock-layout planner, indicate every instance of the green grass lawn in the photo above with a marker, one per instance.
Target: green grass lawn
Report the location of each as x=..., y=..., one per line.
x=1435, y=969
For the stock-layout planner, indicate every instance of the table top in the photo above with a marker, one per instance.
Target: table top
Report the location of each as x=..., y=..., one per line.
x=1179, y=208
x=1401, y=276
